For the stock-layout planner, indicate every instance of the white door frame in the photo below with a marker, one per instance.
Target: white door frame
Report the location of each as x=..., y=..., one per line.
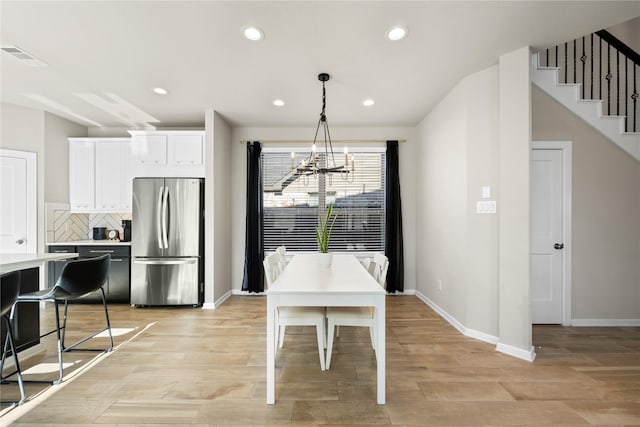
x=566, y=148
x=32, y=195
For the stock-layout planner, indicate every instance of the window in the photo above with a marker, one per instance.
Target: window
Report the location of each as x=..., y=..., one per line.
x=291, y=208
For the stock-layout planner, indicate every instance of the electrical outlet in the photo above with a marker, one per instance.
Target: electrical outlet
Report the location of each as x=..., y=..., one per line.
x=439, y=284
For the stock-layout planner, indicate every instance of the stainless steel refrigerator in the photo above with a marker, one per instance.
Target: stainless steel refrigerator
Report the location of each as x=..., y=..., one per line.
x=167, y=242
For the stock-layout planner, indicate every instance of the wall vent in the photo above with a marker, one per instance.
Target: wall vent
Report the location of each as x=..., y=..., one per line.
x=23, y=56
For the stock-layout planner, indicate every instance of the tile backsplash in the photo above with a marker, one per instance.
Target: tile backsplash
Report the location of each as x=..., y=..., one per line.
x=64, y=226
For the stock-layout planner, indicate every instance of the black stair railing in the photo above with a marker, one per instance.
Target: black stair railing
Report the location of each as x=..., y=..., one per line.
x=608, y=70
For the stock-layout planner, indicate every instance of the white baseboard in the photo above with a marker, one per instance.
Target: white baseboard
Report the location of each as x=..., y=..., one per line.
x=442, y=313
x=481, y=336
x=509, y=350
x=247, y=293
x=217, y=303
x=605, y=322
x=468, y=332
x=405, y=292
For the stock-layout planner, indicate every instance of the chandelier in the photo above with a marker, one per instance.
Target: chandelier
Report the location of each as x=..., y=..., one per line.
x=323, y=162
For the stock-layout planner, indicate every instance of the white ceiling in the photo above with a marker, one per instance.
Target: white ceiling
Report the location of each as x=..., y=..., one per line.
x=102, y=54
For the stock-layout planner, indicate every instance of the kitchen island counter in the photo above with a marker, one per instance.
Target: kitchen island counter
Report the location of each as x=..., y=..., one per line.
x=13, y=262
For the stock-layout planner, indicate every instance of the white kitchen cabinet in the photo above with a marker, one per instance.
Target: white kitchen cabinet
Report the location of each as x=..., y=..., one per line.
x=81, y=175
x=168, y=153
x=100, y=174
x=150, y=149
x=113, y=176
x=184, y=150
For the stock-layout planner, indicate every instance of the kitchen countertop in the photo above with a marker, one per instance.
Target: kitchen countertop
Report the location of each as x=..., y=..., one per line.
x=12, y=262
x=90, y=243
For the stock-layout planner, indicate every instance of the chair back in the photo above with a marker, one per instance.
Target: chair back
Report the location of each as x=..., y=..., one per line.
x=372, y=268
x=272, y=268
x=83, y=276
x=9, y=290
x=282, y=251
x=381, y=272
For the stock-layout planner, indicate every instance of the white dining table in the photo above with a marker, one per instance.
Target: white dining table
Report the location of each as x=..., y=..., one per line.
x=304, y=283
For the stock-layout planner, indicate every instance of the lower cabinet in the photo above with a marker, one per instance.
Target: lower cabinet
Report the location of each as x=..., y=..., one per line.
x=117, y=287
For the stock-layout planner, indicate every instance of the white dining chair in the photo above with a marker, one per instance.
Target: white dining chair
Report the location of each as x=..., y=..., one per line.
x=356, y=316
x=380, y=271
x=282, y=250
x=294, y=316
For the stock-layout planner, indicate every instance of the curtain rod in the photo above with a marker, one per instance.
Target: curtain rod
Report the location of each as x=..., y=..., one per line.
x=339, y=141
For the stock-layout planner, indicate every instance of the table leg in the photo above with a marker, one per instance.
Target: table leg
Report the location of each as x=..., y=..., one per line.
x=381, y=349
x=271, y=351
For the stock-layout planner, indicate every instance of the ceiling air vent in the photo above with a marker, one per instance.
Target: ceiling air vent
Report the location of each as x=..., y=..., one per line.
x=23, y=56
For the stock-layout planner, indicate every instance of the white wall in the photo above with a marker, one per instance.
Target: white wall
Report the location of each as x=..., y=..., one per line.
x=442, y=204
x=458, y=155
x=606, y=208
x=628, y=32
x=23, y=129
x=56, y=152
x=238, y=185
x=482, y=229
x=478, y=135
x=222, y=209
x=217, y=255
x=514, y=151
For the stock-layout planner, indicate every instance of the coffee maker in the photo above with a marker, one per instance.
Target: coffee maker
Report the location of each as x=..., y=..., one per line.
x=126, y=230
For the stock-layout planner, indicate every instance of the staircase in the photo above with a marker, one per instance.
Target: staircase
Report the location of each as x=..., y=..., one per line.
x=616, y=115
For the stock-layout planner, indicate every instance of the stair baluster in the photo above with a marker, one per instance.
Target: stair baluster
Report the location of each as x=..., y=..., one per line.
x=607, y=72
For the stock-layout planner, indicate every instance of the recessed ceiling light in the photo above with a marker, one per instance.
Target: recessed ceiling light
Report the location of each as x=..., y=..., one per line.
x=252, y=33
x=397, y=32
x=278, y=103
x=368, y=102
x=160, y=91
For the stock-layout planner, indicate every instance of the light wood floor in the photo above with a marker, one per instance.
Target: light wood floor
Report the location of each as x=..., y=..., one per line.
x=207, y=367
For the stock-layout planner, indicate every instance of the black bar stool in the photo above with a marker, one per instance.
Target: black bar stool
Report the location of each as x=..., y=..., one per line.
x=9, y=290
x=78, y=279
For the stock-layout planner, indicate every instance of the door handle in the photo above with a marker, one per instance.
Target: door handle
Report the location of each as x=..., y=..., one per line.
x=21, y=240
x=165, y=225
x=558, y=246
x=164, y=261
x=159, y=217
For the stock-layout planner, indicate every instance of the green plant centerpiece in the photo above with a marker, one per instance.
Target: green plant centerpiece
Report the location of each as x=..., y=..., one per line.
x=323, y=235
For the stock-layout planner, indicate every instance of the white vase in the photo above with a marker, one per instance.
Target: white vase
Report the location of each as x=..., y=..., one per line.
x=324, y=260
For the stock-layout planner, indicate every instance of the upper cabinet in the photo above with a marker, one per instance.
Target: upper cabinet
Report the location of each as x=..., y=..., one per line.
x=114, y=181
x=82, y=174
x=168, y=153
x=100, y=178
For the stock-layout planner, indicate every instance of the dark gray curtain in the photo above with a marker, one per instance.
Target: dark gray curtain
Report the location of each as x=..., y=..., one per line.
x=253, y=280
x=393, y=247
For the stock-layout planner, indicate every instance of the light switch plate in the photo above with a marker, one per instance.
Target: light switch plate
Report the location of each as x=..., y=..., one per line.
x=486, y=207
x=486, y=192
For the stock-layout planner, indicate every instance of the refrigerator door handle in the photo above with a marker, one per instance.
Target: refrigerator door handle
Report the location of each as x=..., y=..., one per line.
x=165, y=202
x=165, y=261
x=158, y=217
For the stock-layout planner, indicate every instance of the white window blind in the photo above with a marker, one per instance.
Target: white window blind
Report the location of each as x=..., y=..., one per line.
x=291, y=208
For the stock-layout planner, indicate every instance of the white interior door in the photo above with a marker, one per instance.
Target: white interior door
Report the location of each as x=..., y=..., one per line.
x=546, y=235
x=18, y=219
